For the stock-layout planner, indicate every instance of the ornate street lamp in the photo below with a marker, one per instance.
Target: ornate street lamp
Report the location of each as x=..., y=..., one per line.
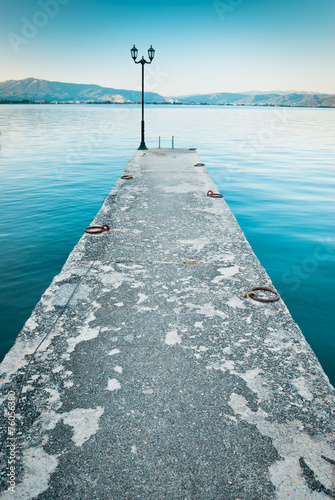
x=151, y=54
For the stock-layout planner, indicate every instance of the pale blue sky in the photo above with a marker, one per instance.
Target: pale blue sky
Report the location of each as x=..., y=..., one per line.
x=201, y=46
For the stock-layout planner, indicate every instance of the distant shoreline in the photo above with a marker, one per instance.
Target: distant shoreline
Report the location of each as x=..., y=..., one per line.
x=27, y=102
x=35, y=91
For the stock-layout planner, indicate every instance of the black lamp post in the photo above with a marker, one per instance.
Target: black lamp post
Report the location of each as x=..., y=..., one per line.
x=151, y=54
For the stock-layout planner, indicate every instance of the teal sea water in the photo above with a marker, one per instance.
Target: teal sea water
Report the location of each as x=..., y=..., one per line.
x=275, y=167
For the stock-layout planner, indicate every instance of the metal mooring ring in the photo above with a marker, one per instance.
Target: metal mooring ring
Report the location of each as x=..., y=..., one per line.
x=126, y=177
x=214, y=195
x=253, y=296
x=96, y=229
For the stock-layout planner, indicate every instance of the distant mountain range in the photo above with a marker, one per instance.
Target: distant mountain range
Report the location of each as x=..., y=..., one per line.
x=262, y=99
x=34, y=90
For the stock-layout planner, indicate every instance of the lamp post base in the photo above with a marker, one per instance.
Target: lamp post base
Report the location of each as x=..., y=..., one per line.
x=142, y=146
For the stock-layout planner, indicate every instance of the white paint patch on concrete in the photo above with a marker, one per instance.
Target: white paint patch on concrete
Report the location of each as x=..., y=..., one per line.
x=238, y=403
x=228, y=257
x=31, y=324
x=227, y=350
x=228, y=365
x=68, y=384
x=96, y=305
x=170, y=299
x=226, y=273
x=113, y=352
x=300, y=383
x=207, y=310
x=186, y=280
x=63, y=276
x=118, y=369
x=197, y=244
x=114, y=279
x=113, y=384
x=142, y=298
x=277, y=341
x=172, y=338
x=91, y=317
x=235, y=302
x=256, y=383
x=292, y=444
x=38, y=467
x=85, y=335
x=58, y=369
x=107, y=268
x=143, y=309
x=50, y=420
x=85, y=423
x=27, y=388
x=54, y=395
x=203, y=348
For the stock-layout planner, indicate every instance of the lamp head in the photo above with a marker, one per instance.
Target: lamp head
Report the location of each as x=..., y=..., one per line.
x=134, y=53
x=151, y=53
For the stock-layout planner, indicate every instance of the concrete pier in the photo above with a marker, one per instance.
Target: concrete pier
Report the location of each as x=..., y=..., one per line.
x=143, y=373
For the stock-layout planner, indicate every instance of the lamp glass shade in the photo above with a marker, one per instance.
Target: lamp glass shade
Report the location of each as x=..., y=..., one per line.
x=134, y=53
x=151, y=53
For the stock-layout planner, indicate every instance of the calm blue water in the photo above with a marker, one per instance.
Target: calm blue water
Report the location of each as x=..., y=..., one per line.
x=276, y=168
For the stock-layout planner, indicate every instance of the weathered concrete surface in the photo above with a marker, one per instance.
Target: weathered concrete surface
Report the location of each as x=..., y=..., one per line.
x=159, y=380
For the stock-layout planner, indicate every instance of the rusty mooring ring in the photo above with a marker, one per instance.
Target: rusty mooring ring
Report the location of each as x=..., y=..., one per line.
x=214, y=195
x=96, y=229
x=253, y=296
